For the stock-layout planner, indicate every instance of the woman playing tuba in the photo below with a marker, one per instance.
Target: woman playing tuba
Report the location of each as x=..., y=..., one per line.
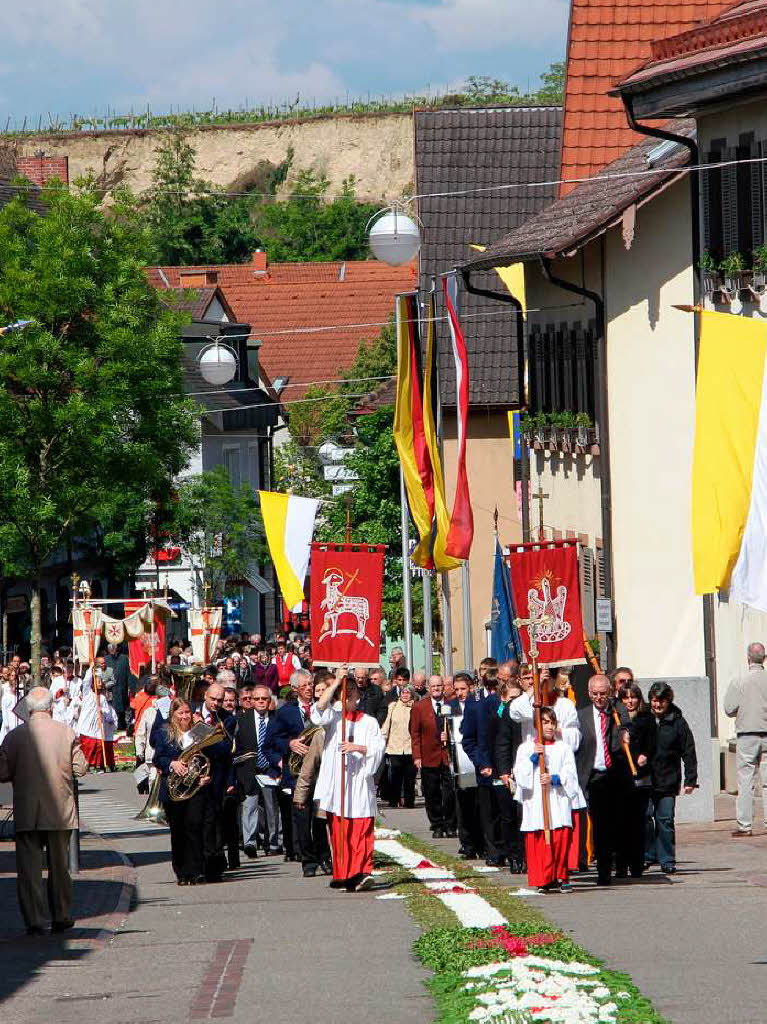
x=192, y=818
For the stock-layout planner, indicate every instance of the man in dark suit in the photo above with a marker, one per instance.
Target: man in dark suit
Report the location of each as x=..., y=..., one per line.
x=430, y=754
x=260, y=799
x=371, y=696
x=300, y=839
x=466, y=732
x=600, y=763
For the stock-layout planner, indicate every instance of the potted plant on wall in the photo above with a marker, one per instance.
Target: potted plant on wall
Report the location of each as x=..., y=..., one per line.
x=538, y=427
x=736, y=279
x=583, y=425
x=709, y=274
x=759, y=276
x=565, y=427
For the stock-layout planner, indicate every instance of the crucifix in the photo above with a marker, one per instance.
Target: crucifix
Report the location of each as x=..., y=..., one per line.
x=540, y=496
x=532, y=626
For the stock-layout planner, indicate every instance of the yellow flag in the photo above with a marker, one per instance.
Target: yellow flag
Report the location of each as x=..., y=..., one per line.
x=513, y=277
x=731, y=365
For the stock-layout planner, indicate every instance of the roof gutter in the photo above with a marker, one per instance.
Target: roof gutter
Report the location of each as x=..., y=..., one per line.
x=519, y=316
x=709, y=624
x=600, y=389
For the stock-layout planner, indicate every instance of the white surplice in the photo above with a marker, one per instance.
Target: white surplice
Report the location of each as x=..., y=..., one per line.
x=360, y=786
x=8, y=702
x=521, y=710
x=559, y=761
x=87, y=721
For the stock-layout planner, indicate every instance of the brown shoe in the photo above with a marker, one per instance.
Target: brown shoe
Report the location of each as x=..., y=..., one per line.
x=741, y=832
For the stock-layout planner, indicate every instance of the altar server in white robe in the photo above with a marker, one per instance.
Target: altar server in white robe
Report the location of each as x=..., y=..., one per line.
x=568, y=728
x=63, y=710
x=88, y=722
x=8, y=701
x=547, y=771
x=351, y=837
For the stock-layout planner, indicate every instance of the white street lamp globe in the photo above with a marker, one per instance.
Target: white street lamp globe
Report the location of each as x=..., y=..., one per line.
x=395, y=238
x=218, y=364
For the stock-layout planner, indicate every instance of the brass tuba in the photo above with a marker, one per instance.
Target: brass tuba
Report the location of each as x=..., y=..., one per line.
x=153, y=810
x=296, y=760
x=183, y=787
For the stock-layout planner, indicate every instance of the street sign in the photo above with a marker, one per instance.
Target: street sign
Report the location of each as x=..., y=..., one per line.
x=604, y=615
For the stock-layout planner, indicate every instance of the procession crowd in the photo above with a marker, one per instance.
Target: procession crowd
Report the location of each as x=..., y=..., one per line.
x=253, y=754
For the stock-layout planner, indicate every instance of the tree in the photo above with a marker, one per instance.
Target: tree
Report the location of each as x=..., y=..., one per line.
x=93, y=422
x=218, y=526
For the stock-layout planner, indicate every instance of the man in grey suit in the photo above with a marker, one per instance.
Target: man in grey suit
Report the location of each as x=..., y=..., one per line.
x=746, y=702
x=41, y=759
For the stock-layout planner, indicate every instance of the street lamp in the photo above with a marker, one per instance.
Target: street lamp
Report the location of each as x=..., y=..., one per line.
x=394, y=237
x=217, y=363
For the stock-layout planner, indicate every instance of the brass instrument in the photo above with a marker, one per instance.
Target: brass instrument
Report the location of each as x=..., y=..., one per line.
x=183, y=787
x=153, y=810
x=186, y=678
x=296, y=760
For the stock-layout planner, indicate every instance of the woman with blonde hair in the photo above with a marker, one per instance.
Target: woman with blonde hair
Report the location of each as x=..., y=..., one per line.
x=192, y=821
x=399, y=748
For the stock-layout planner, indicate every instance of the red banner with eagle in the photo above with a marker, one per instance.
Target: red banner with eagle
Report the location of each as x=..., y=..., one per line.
x=544, y=578
x=346, y=598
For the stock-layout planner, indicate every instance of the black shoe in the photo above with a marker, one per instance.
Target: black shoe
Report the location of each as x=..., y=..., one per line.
x=668, y=869
x=289, y=857
x=35, y=929
x=604, y=881
x=449, y=833
x=621, y=873
x=62, y=926
x=234, y=863
x=437, y=833
x=494, y=862
x=276, y=852
x=467, y=854
x=326, y=867
x=251, y=851
x=310, y=871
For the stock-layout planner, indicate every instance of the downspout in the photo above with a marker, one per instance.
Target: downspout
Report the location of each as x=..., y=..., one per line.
x=519, y=316
x=709, y=622
x=600, y=372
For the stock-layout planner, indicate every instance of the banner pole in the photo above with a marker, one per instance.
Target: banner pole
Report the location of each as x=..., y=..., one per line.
x=407, y=603
x=428, y=644
x=468, y=647
x=447, y=615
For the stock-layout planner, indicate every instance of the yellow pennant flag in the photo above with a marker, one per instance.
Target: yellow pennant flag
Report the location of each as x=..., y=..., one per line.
x=289, y=525
x=512, y=276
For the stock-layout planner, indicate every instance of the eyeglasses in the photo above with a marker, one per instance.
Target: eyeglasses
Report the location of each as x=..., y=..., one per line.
x=260, y=698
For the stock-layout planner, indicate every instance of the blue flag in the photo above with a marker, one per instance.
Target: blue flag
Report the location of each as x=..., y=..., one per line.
x=504, y=636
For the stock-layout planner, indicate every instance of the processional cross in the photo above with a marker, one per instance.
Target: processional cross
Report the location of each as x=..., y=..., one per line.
x=540, y=496
x=532, y=626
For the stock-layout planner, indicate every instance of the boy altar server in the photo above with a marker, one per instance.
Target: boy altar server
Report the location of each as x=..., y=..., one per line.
x=550, y=765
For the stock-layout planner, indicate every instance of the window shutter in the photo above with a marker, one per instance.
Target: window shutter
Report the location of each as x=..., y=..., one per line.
x=761, y=184
x=757, y=196
x=586, y=567
x=599, y=581
x=711, y=194
x=729, y=179
x=746, y=176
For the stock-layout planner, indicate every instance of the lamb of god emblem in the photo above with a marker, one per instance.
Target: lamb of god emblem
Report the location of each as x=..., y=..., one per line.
x=337, y=603
x=550, y=609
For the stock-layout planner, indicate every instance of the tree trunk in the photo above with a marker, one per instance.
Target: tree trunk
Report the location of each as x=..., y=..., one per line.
x=36, y=636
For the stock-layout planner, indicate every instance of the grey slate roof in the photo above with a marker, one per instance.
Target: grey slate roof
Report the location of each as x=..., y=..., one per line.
x=477, y=148
x=592, y=207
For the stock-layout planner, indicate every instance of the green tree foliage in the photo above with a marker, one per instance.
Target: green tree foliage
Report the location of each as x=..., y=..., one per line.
x=483, y=90
x=375, y=511
x=192, y=225
x=93, y=423
x=217, y=526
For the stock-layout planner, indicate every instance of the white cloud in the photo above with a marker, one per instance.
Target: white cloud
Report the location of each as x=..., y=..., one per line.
x=487, y=24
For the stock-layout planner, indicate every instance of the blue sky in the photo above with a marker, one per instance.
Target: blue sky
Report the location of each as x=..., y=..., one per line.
x=82, y=56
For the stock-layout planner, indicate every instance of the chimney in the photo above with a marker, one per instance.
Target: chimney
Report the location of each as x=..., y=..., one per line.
x=259, y=262
x=197, y=277
x=41, y=168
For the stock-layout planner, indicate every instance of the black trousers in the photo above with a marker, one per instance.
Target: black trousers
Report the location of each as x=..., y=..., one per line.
x=285, y=802
x=439, y=796
x=312, y=835
x=470, y=826
x=401, y=784
x=192, y=834
x=230, y=822
x=510, y=842
x=603, y=798
x=631, y=827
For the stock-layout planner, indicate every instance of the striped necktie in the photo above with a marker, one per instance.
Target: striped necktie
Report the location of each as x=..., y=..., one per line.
x=603, y=729
x=261, y=761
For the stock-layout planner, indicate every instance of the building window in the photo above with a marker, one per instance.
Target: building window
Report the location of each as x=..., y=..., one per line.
x=232, y=465
x=254, y=475
x=733, y=198
x=561, y=366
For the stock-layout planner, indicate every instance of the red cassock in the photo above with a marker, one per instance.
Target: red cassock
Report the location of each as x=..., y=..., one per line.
x=352, y=854
x=91, y=747
x=548, y=863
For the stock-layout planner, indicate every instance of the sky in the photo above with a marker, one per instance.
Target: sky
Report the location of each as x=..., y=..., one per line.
x=63, y=57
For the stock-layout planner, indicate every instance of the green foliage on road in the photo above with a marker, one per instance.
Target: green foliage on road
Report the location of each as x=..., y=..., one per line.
x=93, y=423
x=219, y=527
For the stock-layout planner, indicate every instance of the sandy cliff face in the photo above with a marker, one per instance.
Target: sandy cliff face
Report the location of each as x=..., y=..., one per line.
x=376, y=149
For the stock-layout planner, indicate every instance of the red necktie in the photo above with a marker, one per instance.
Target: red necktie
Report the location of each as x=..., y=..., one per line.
x=603, y=729
x=306, y=711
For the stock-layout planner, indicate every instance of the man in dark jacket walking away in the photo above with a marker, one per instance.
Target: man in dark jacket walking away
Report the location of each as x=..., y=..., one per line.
x=674, y=746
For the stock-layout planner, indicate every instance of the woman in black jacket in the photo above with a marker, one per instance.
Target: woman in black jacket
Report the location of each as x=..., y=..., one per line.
x=641, y=729
x=192, y=821
x=674, y=746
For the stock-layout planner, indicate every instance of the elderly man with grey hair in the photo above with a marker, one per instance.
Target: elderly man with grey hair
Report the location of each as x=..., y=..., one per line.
x=41, y=759
x=746, y=702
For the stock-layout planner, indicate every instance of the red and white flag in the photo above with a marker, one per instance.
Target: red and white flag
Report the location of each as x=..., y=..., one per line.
x=461, y=532
x=346, y=598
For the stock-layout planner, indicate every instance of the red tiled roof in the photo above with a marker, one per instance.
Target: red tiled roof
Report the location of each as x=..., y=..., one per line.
x=606, y=41
x=737, y=31
x=291, y=297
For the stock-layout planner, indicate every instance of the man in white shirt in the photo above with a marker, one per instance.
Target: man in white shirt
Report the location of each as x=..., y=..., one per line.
x=521, y=710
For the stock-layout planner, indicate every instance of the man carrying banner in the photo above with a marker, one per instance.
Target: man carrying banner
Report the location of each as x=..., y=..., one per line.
x=346, y=788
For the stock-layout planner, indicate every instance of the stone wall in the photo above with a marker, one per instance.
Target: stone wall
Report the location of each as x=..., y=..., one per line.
x=377, y=149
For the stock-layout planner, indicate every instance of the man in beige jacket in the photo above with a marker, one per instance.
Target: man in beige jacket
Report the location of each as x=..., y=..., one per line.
x=41, y=759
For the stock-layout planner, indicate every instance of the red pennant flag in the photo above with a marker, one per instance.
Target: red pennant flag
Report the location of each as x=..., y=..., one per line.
x=346, y=598
x=461, y=531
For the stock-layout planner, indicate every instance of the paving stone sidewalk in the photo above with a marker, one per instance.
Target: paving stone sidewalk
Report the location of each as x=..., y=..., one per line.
x=695, y=943
x=264, y=945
